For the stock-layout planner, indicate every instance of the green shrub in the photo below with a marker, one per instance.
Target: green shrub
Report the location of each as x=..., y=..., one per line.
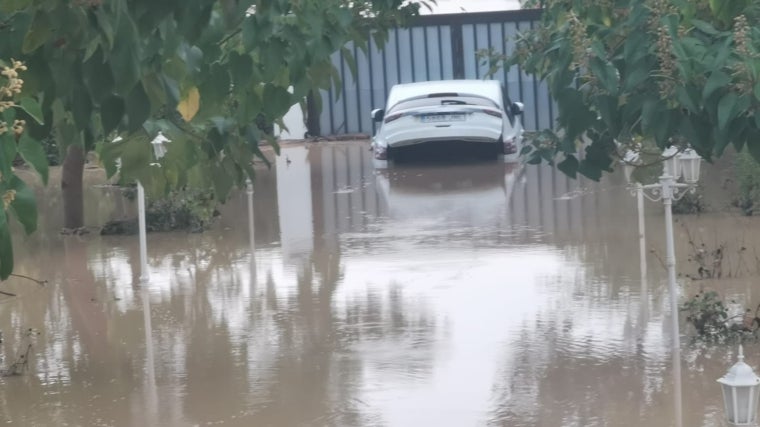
x=690, y=203
x=709, y=316
x=185, y=210
x=191, y=210
x=748, y=177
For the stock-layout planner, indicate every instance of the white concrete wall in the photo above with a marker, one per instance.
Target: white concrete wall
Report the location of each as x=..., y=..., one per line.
x=462, y=6
x=294, y=121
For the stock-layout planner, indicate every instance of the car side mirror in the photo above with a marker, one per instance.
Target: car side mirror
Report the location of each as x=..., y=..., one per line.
x=516, y=108
x=378, y=114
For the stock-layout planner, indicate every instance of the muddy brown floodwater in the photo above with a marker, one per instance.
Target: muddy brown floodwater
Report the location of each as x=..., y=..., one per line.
x=483, y=294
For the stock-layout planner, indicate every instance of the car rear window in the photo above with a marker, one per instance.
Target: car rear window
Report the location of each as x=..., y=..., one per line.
x=442, y=99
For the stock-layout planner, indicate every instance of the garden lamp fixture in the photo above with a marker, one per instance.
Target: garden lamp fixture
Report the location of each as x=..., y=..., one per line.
x=666, y=190
x=671, y=161
x=741, y=388
x=159, y=145
x=159, y=150
x=689, y=163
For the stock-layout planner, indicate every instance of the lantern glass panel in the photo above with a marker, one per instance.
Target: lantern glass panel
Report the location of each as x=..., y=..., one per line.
x=673, y=167
x=742, y=405
x=671, y=163
x=690, y=167
x=728, y=402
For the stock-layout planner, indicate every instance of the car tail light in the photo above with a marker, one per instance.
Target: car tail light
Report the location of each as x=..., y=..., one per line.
x=510, y=147
x=392, y=117
x=381, y=153
x=493, y=113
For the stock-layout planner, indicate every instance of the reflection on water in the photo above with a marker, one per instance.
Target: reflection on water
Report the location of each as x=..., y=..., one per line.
x=452, y=295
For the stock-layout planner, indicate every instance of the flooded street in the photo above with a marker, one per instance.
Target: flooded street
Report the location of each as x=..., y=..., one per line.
x=484, y=294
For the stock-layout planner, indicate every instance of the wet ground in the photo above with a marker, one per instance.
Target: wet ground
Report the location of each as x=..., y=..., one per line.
x=483, y=294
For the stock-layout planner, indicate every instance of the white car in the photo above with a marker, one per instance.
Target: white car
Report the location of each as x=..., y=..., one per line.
x=466, y=112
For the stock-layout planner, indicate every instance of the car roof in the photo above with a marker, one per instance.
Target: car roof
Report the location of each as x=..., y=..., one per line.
x=490, y=89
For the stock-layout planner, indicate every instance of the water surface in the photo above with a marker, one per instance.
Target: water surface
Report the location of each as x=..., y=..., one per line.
x=483, y=294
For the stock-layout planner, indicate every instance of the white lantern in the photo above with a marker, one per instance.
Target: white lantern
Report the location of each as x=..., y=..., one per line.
x=630, y=159
x=740, y=393
x=690, y=163
x=159, y=149
x=671, y=163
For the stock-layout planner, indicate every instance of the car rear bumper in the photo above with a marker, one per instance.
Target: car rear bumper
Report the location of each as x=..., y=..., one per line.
x=426, y=134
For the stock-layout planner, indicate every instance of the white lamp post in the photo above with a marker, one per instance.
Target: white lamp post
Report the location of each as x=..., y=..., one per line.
x=251, y=229
x=741, y=388
x=159, y=150
x=668, y=189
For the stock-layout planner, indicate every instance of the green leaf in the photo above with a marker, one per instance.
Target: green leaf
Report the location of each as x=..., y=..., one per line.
x=81, y=105
x=635, y=47
x=606, y=73
x=24, y=205
x=724, y=51
x=39, y=32
x=6, y=247
x=757, y=90
x=727, y=109
x=574, y=113
x=348, y=57
x=92, y=46
x=154, y=89
x=97, y=77
x=688, y=98
x=105, y=27
x=136, y=155
x=124, y=59
x=34, y=155
x=109, y=152
x=138, y=108
x=589, y=170
x=635, y=76
x=534, y=159
x=8, y=6
x=717, y=80
x=651, y=111
x=241, y=67
x=111, y=112
x=569, y=166
x=278, y=100
x=608, y=109
x=221, y=177
x=32, y=107
x=68, y=134
x=7, y=153
x=705, y=27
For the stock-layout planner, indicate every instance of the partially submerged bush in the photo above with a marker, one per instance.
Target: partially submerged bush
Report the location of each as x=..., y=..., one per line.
x=185, y=210
x=709, y=315
x=190, y=210
x=690, y=203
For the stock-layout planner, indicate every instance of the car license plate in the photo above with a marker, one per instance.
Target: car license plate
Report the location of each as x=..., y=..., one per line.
x=436, y=118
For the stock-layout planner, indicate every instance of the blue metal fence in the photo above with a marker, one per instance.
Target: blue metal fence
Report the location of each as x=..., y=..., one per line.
x=436, y=47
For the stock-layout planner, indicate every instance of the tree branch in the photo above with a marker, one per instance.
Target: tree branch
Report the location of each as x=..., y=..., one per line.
x=37, y=281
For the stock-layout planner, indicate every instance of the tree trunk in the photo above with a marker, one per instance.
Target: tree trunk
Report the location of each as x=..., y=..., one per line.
x=72, y=189
x=312, y=116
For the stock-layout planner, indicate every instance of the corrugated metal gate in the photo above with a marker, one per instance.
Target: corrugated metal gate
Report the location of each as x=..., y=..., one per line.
x=437, y=47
